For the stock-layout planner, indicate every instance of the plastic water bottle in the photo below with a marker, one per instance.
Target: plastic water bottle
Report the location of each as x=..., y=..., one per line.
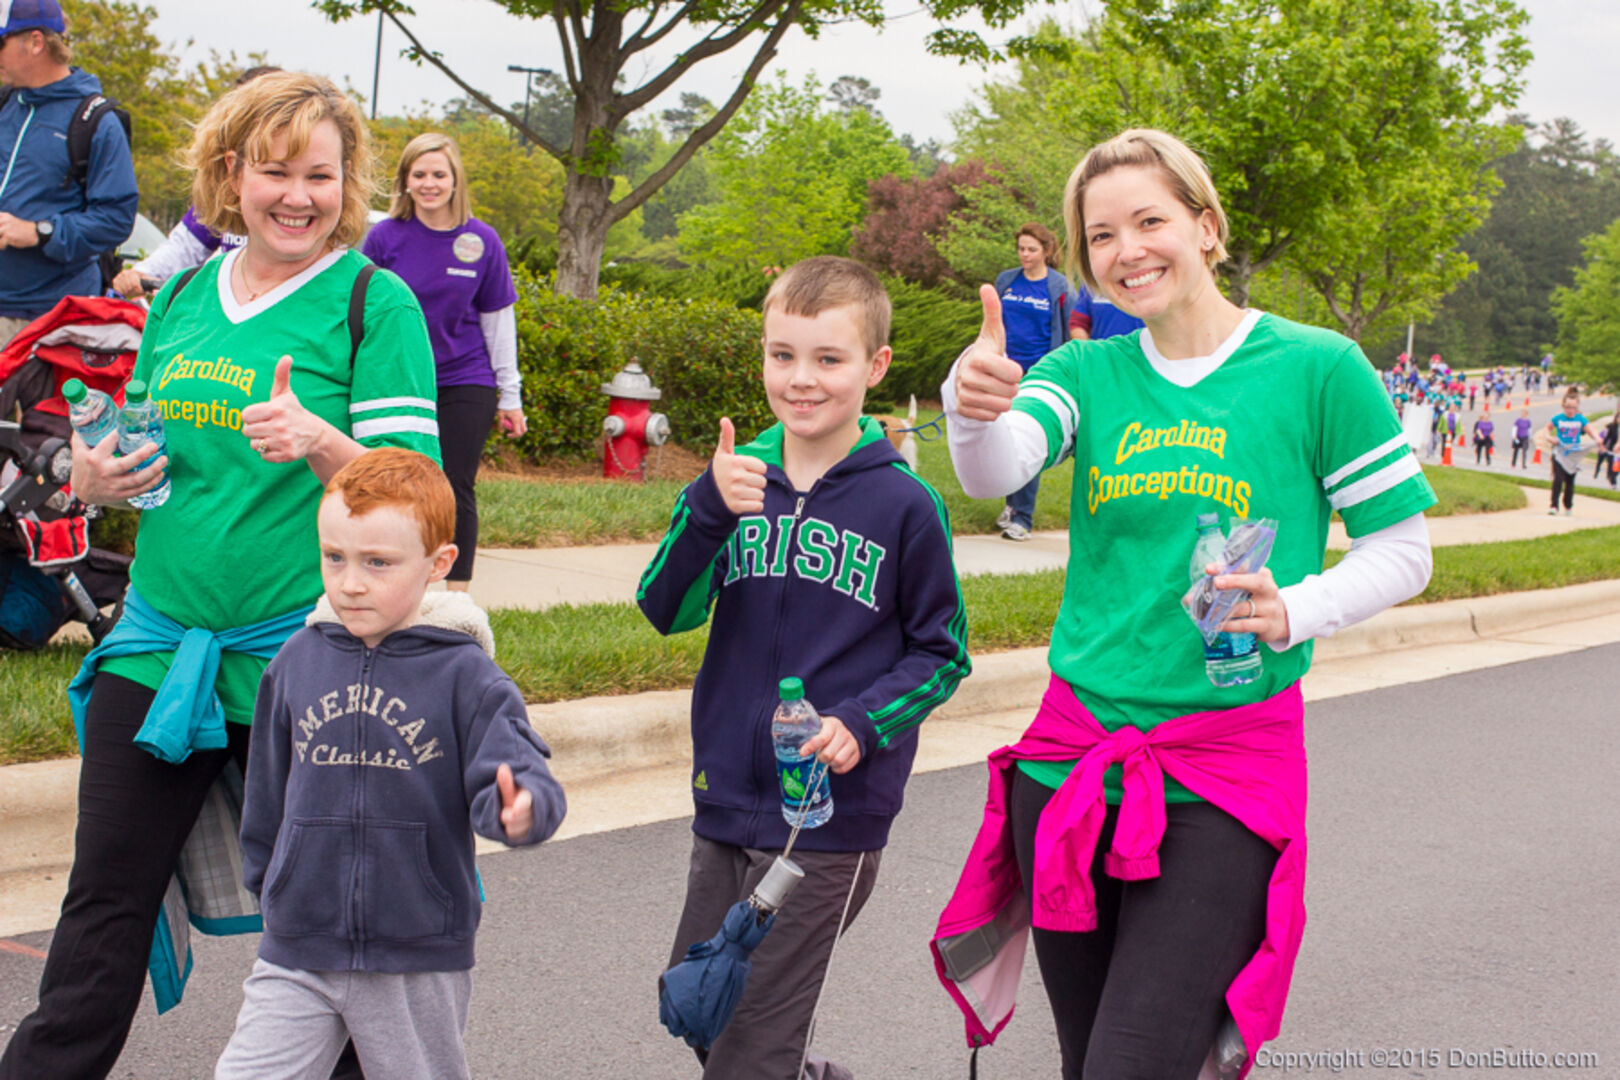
x=93, y=414
x=795, y=723
x=142, y=423
x=1231, y=659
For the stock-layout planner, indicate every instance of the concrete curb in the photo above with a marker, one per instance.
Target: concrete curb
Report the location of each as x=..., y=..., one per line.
x=600, y=736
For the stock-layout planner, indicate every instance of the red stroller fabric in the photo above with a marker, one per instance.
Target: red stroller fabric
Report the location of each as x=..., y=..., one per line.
x=83, y=337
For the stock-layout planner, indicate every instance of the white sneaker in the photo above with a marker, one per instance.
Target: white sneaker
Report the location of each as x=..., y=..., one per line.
x=1015, y=531
x=1005, y=518
x=1568, y=512
x=1552, y=511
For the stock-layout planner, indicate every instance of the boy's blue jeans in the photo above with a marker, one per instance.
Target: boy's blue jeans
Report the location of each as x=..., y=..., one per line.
x=1022, y=502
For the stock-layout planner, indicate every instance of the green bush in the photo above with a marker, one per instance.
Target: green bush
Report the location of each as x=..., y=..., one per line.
x=931, y=326
x=703, y=354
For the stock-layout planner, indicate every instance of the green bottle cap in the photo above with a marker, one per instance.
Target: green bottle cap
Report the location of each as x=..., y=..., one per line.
x=75, y=391
x=1205, y=521
x=134, y=392
x=791, y=689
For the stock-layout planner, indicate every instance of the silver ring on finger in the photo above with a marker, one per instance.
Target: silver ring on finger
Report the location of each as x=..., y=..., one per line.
x=1252, y=609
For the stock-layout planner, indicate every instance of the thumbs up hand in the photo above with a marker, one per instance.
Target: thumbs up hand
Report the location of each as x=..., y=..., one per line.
x=517, y=806
x=281, y=429
x=740, y=478
x=986, y=379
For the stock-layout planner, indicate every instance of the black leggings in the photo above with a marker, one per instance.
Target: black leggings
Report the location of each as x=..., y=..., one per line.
x=1142, y=996
x=1563, y=483
x=135, y=813
x=466, y=415
x=1520, y=447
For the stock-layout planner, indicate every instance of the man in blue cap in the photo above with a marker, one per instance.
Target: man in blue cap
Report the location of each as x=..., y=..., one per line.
x=54, y=223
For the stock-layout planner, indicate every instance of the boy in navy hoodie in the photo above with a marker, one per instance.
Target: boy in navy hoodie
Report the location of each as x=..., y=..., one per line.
x=384, y=736
x=824, y=558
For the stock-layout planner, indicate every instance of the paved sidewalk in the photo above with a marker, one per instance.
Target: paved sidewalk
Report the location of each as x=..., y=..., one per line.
x=537, y=578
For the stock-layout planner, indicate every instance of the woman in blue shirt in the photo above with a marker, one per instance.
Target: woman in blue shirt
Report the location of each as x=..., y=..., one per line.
x=1034, y=313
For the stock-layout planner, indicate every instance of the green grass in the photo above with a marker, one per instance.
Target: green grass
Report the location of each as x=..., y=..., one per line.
x=1595, y=493
x=35, y=724
x=1464, y=491
x=531, y=513
x=1547, y=562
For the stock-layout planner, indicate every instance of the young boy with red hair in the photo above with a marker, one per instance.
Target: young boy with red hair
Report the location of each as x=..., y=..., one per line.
x=383, y=738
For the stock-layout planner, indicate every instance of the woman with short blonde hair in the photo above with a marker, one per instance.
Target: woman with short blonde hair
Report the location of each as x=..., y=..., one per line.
x=456, y=266
x=1152, y=817
x=274, y=364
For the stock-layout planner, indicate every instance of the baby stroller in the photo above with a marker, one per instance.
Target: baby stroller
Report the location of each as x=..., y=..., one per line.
x=49, y=573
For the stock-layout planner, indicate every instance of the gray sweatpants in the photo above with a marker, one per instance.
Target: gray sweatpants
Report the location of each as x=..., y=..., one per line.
x=293, y=1024
x=768, y=1032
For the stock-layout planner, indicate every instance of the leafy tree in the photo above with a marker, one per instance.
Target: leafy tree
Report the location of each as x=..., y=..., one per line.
x=601, y=40
x=926, y=156
x=1557, y=188
x=693, y=111
x=1301, y=108
x=849, y=92
x=791, y=178
x=1589, y=314
x=906, y=217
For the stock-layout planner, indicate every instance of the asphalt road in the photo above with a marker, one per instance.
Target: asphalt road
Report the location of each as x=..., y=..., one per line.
x=1464, y=877
x=1542, y=409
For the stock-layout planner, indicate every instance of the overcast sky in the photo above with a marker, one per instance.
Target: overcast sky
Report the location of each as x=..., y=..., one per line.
x=1576, y=43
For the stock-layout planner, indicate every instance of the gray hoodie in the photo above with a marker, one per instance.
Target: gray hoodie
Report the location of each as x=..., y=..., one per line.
x=369, y=772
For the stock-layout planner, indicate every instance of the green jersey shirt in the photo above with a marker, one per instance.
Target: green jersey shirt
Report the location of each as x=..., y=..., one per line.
x=1292, y=425
x=235, y=543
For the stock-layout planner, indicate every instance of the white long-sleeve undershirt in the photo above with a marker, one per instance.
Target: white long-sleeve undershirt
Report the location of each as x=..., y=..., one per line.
x=1381, y=569
x=500, y=338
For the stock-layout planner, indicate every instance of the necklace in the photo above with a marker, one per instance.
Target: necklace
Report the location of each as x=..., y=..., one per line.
x=253, y=294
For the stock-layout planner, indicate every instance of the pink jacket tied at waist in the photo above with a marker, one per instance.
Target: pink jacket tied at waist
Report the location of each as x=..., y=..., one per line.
x=1249, y=761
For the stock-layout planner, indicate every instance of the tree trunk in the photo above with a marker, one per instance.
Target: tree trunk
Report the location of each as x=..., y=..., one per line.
x=582, y=229
x=1239, y=269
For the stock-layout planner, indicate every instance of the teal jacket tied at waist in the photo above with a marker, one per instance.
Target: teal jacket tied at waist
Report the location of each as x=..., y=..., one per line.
x=186, y=714
x=206, y=891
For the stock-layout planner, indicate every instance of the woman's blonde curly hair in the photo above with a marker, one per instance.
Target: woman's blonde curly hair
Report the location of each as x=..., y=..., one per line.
x=248, y=120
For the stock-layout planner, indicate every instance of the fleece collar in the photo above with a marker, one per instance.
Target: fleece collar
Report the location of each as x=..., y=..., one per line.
x=448, y=610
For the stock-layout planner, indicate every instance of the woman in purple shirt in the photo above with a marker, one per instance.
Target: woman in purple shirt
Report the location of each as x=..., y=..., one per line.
x=456, y=266
x=1521, y=440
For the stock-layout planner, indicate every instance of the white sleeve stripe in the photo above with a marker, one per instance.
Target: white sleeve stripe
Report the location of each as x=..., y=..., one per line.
x=394, y=425
x=393, y=403
x=1061, y=396
x=1365, y=459
x=1065, y=419
x=1376, y=483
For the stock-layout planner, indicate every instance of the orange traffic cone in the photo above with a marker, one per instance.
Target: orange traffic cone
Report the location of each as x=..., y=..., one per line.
x=1537, y=459
x=1445, y=455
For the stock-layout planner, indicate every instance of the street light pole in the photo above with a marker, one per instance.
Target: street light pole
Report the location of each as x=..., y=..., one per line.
x=528, y=84
x=376, y=67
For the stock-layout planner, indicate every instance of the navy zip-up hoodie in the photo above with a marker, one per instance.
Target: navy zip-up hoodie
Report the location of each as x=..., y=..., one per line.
x=850, y=587
x=35, y=186
x=369, y=771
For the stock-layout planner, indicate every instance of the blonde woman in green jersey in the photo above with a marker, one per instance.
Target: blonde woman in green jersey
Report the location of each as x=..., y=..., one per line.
x=265, y=394
x=1213, y=408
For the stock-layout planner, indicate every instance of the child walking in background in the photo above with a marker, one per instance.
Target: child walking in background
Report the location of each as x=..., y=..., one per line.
x=383, y=738
x=825, y=558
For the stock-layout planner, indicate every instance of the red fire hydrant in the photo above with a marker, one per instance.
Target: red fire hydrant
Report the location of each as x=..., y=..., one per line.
x=630, y=426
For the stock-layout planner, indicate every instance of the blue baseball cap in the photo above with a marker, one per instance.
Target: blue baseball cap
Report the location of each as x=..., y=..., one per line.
x=17, y=15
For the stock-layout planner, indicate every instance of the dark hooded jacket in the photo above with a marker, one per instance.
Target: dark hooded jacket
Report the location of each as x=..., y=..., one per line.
x=368, y=773
x=35, y=185
x=851, y=588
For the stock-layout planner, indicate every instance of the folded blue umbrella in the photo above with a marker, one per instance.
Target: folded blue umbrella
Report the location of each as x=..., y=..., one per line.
x=697, y=996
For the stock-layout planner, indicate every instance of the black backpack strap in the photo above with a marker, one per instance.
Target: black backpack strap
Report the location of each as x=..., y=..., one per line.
x=185, y=277
x=357, y=310
x=82, y=129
